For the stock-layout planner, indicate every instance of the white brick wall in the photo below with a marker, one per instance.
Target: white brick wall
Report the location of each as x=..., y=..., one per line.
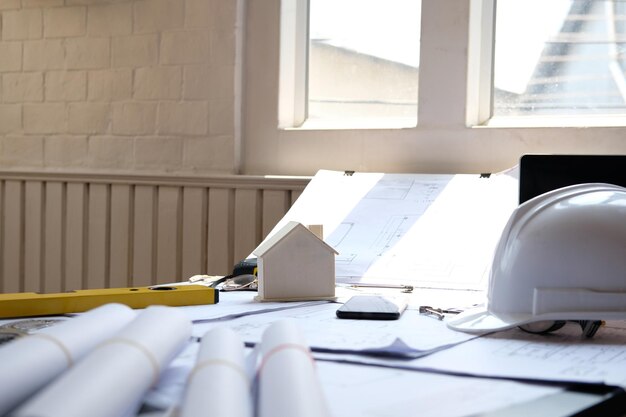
x=60, y=151
x=134, y=118
x=154, y=83
x=9, y=4
x=41, y=55
x=110, y=85
x=60, y=22
x=22, y=24
x=135, y=51
x=89, y=118
x=10, y=56
x=110, y=19
x=10, y=118
x=185, y=47
x=45, y=118
x=20, y=87
x=118, y=85
x=66, y=86
x=189, y=118
x=158, y=15
x=24, y=151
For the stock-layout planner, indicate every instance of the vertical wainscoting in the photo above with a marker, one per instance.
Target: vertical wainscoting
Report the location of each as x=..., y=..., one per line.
x=60, y=232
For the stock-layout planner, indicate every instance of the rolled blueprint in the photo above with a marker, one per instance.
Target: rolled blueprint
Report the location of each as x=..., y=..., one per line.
x=29, y=363
x=288, y=383
x=113, y=378
x=218, y=384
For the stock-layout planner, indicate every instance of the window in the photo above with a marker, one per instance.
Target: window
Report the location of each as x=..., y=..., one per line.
x=363, y=61
x=455, y=133
x=571, y=62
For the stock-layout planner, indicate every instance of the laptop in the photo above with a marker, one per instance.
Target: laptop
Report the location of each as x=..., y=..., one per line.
x=542, y=173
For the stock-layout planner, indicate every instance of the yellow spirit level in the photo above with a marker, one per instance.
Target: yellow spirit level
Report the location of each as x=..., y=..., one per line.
x=29, y=304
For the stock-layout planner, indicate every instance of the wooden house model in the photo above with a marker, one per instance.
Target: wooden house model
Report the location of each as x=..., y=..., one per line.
x=295, y=264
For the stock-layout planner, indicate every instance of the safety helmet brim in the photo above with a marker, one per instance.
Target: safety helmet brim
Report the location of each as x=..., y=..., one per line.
x=480, y=320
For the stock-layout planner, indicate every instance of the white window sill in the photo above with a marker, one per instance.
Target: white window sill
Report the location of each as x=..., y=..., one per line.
x=556, y=121
x=356, y=124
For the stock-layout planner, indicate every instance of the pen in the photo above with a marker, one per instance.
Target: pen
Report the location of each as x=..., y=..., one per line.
x=404, y=288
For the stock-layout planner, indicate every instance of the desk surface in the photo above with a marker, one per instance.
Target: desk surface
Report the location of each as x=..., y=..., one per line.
x=416, y=365
x=391, y=381
x=360, y=385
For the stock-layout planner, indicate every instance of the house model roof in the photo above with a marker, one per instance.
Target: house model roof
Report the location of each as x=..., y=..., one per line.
x=281, y=234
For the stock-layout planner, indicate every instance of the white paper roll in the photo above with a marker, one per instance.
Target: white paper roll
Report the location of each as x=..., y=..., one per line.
x=112, y=379
x=218, y=384
x=288, y=384
x=29, y=363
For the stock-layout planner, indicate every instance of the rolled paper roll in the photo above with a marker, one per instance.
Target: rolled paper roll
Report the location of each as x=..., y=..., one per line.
x=288, y=383
x=31, y=362
x=113, y=378
x=218, y=384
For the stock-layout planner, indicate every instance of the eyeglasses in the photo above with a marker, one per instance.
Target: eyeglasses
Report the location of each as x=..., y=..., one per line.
x=588, y=327
x=246, y=282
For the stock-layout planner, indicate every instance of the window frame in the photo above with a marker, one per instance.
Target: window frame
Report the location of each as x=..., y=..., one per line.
x=454, y=133
x=293, y=63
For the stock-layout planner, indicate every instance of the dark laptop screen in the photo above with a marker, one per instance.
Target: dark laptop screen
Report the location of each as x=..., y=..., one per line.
x=542, y=173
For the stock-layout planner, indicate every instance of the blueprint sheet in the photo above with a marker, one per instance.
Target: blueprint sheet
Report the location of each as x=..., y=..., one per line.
x=563, y=356
x=429, y=231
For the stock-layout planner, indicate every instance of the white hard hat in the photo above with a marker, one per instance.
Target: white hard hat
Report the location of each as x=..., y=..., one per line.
x=562, y=256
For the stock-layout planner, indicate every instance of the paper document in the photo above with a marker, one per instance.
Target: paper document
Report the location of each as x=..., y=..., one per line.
x=365, y=391
x=435, y=231
x=169, y=391
x=413, y=335
x=562, y=356
x=373, y=391
x=287, y=377
x=112, y=379
x=234, y=304
x=31, y=362
x=219, y=383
